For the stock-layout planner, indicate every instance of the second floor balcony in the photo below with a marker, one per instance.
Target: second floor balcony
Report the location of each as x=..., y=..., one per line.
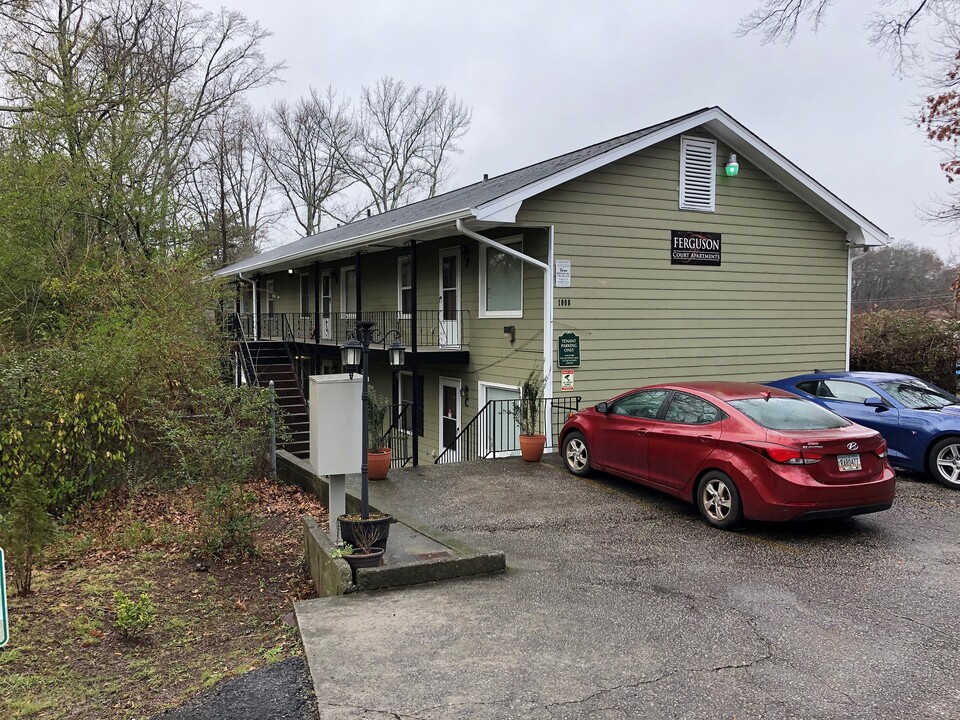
x=433, y=330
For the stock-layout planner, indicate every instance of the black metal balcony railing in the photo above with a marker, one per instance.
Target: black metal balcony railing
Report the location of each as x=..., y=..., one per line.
x=435, y=328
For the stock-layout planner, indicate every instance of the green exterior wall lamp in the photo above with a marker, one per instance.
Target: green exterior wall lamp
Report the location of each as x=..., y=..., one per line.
x=732, y=167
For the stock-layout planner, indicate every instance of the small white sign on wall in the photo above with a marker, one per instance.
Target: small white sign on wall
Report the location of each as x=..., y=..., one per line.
x=561, y=274
x=566, y=380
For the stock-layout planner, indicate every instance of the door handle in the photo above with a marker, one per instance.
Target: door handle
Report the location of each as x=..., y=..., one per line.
x=706, y=438
x=641, y=431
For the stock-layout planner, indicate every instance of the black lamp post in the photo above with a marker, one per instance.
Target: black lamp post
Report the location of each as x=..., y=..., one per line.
x=355, y=354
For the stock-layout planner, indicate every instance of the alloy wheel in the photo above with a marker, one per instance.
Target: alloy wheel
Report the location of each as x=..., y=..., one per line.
x=576, y=455
x=948, y=463
x=717, y=501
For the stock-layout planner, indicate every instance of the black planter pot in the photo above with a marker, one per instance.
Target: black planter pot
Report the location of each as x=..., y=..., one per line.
x=353, y=530
x=360, y=559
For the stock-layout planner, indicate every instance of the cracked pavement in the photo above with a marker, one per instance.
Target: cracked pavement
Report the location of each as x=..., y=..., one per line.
x=620, y=603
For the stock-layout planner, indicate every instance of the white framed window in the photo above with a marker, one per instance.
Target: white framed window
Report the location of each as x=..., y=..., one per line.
x=698, y=173
x=404, y=287
x=501, y=281
x=304, y=295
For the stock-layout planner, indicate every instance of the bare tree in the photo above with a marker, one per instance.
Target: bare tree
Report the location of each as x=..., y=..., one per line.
x=303, y=155
x=403, y=141
x=227, y=192
x=123, y=90
x=901, y=276
x=893, y=28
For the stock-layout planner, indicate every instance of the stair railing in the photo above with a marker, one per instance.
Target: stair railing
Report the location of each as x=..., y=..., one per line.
x=289, y=339
x=397, y=437
x=494, y=430
x=246, y=358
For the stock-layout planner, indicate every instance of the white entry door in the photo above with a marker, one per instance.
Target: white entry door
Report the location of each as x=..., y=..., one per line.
x=450, y=297
x=500, y=433
x=449, y=413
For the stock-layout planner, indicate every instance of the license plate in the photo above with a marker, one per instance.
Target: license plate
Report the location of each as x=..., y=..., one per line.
x=849, y=463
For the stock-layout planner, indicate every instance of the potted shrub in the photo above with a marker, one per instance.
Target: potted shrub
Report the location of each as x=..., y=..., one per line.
x=365, y=550
x=378, y=456
x=528, y=412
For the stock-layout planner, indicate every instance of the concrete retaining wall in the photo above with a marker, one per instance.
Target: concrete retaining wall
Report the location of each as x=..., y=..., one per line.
x=331, y=576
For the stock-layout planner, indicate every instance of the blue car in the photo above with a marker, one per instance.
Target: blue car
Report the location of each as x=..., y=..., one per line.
x=919, y=421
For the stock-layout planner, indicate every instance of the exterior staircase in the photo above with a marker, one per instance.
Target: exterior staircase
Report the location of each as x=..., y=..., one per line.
x=272, y=363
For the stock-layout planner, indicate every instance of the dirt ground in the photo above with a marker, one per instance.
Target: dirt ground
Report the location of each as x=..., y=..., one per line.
x=215, y=618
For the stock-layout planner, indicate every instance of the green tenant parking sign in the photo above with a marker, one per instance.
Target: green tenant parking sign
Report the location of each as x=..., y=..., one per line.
x=4, y=626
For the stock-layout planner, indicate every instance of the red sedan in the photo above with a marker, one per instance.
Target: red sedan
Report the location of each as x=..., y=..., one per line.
x=736, y=450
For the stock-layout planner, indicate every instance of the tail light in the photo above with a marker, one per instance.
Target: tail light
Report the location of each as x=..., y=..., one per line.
x=784, y=454
x=881, y=452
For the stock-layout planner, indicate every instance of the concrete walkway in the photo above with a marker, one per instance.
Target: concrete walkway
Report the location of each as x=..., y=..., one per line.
x=620, y=603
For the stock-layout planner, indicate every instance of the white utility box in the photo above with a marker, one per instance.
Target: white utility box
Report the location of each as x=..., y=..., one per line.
x=335, y=442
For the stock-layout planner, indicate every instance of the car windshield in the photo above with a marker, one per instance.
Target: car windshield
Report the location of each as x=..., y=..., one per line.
x=781, y=413
x=918, y=395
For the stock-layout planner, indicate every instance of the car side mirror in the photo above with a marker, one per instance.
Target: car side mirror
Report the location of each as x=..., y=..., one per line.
x=601, y=407
x=875, y=402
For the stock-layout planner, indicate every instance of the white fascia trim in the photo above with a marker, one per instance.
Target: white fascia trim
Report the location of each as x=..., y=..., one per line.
x=733, y=134
x=358, y=241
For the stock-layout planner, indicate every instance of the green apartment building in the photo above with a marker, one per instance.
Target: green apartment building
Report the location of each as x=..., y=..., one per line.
x=644, y=252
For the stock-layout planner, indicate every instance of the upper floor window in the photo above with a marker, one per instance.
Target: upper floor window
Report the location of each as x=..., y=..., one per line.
x=698, y=173
x=501, y=281
x=404, y=286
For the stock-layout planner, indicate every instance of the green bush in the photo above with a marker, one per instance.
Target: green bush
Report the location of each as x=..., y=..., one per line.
x=909, y=342
x=133, y=617
x=25, y=528
x=227, y=521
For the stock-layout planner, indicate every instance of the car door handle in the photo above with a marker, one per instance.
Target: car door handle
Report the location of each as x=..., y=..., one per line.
x=642, y=431
x=706, y=438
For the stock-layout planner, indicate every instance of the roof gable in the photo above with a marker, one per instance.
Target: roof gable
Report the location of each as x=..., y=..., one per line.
x=499, y=198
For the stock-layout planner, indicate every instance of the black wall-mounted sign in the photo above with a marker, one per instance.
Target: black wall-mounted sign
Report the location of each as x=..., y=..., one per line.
x=694, y=248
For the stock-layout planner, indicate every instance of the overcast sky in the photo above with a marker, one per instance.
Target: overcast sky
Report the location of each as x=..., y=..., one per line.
x=546, y=77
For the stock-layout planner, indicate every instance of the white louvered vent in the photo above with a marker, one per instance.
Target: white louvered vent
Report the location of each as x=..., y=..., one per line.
x=698, y=173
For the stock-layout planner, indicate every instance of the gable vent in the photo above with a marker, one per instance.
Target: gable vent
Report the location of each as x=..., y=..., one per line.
x=698, y=174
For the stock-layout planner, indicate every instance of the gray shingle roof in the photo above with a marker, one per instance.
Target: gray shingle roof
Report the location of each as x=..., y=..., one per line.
x=470, y=196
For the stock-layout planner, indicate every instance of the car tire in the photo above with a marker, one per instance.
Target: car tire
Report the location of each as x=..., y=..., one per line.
x=718, y=501
x=576, y=454
x=943, y=462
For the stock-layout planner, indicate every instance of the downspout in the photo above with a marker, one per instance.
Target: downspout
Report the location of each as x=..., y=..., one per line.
x=846, y=360
x=547, y=268
x=256, y=305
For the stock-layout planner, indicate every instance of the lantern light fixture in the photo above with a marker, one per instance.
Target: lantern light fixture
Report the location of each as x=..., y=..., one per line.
x=732, y=167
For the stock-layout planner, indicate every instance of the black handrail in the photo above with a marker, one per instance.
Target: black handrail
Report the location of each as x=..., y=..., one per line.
x=397, y=436
x=494, y=430
x=288, y=346
x=246, y=358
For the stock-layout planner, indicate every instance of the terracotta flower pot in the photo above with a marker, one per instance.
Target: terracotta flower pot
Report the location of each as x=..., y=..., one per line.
x=531, y=447
x=378, y=463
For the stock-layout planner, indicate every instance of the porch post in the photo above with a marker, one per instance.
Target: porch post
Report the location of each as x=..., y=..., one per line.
x=316, y=301
x=256, y=306
x=414, y=357
x=356, y=275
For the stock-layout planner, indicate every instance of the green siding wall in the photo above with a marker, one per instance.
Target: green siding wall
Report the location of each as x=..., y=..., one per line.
x=776, y=305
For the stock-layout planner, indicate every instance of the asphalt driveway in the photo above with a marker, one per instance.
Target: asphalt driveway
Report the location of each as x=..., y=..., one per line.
x=620, y=603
